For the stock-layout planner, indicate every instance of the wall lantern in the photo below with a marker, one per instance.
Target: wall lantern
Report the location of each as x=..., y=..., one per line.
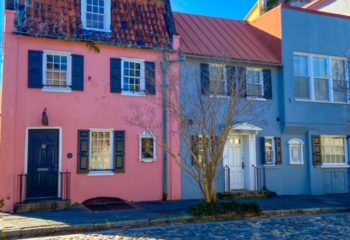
x=44, y=118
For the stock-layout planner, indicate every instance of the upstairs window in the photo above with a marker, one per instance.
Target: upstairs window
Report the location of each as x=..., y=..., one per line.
x=133, y=79
x=57, y=70
x=321, y=78
x=301, y=76
x=255, y=83
x=218, y=82
x=96, y=15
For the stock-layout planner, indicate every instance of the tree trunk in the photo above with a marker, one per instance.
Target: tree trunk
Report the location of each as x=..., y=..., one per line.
x=210, y=193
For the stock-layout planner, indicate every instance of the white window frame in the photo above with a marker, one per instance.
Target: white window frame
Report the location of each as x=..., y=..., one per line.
x=148, y=134
x=102, y=172
x=260, y=70
x=299, y=143
x=107, y=16
x=330, y=77
x=142, y=77
x=332, y=165
x=225, y=81
x=273, y=163
x=69, y=72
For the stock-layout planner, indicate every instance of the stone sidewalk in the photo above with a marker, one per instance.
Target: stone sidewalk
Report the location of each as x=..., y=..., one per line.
x=79, y=219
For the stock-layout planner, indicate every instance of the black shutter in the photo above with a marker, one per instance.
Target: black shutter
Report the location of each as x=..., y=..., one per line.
x=83, y=151
x=316, y=150
x=241, y=79
x=278, y=150
x=263, y=147
x=77, y=72
x=119, y=151
x=231, y=80
x=150, y=78
x=267, y=84
x=116, y=76
x=205, y=81
x=35, y=69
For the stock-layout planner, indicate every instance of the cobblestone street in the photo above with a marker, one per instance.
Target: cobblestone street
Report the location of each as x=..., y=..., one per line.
x=308, y=227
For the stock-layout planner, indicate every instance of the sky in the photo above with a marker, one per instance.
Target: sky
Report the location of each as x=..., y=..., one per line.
x=233, y=9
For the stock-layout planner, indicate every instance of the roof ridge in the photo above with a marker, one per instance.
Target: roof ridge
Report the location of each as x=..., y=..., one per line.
x=206, y=16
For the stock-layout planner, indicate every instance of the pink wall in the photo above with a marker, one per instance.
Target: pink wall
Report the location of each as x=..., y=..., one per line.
x=95, y=107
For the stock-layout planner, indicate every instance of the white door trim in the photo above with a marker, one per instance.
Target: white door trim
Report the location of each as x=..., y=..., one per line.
x=59, y=152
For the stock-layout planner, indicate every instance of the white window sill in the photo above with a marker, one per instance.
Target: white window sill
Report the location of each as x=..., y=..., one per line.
x=57, y=89
x=317, y=101
x=133, y=94
x=97, y=30
x=148, y=160
x=271, y=165
x=296, y=164
x=256, y=98
x=100, y=173
x=335, y=166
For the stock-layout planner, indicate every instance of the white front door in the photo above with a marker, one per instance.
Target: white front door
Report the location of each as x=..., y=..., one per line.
x=236, y=164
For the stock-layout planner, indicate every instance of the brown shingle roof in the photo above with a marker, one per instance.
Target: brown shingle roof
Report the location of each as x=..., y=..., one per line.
x=138, y=23
x=216, y=37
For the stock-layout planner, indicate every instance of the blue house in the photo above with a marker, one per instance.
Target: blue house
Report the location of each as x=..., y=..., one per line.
x=294, y=140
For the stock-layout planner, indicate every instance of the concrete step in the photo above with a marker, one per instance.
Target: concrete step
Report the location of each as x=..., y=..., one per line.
x=49, y=205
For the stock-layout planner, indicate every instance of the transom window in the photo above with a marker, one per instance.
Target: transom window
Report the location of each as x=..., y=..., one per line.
x=101, y=150
x=333, y=149
x=57, y=71
x=321, y=78
x=147, y=147
x=296, y=151
x=96, y=14
x=255, y=83
x=218, y=81
x=133, y=76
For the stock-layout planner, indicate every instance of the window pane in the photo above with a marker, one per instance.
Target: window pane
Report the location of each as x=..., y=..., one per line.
x=100, y=151
x=132, y=76
x=320, y=67
x=56, y=70
x=302, y=87
x=301, y=65
x=254, y=83
x=268, y=151
x=217, y=79
x=340, y=85
x=147, y=145
x=333, y=150
x=321, y=89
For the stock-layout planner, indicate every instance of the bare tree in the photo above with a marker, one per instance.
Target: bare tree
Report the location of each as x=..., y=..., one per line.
x=204, y=106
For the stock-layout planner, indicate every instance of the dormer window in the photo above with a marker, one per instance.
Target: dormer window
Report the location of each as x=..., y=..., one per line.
x=96, y=15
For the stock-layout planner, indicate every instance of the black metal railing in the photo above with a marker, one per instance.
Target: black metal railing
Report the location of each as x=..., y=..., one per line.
x=64, y=189
x=227, y=173
x=65, y=185
x=260, y=178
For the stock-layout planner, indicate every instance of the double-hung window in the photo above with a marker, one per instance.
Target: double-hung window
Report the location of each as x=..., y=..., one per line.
x=333, y=150
x=255, y=83
x=101, y=158
x=57, y=70
x=96, y=14
x=218, y=82
x=269, y=151
x=340, y=83
x=301, y=76
x=321, y=78
x=133, y=79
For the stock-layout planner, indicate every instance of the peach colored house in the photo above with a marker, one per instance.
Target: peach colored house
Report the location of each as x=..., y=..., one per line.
x=75, y=75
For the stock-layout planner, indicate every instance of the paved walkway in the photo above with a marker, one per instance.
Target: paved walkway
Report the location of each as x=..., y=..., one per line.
x=312, y=227
x=144, y=214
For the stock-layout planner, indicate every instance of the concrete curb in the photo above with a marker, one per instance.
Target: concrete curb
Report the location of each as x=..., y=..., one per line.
x=57, y=229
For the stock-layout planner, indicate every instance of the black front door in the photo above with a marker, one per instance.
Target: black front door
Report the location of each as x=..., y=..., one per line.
x=42, y=174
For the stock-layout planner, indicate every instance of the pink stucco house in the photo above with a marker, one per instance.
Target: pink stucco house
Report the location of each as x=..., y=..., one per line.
x=75, y=73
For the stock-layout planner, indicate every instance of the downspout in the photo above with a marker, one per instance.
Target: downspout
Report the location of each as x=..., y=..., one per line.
x=165, y=68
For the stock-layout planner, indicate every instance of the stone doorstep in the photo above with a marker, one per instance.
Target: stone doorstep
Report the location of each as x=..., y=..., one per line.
x=60, y=228
x=42, y=206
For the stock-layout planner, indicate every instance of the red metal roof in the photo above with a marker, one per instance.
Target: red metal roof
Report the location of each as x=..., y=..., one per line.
x=217, y=37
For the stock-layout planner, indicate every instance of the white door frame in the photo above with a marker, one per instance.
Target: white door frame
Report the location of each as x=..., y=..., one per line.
x=59, y=152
